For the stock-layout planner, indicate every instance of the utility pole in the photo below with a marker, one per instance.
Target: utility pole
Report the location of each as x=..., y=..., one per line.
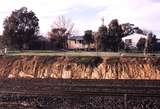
x=102, y=21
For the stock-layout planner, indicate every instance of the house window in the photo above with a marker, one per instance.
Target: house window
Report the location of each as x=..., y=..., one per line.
x=80, y=41
x=128, y=41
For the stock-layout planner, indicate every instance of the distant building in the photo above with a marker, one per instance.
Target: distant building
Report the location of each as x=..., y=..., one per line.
x=76, y=42
x=132, y=40
x=158, y=40
x=158, y=45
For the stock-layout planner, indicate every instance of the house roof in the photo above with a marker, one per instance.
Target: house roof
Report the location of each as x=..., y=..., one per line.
x=76, y=38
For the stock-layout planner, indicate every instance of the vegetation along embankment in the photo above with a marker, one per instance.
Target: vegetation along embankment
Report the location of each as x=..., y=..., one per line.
x=80, y=67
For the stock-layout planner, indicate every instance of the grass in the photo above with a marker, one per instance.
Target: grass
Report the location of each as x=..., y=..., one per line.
x=75, y=53
x=88, y=60
x=49, y=53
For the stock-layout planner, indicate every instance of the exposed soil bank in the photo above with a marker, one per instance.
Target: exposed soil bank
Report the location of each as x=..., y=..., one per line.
x=80, y=67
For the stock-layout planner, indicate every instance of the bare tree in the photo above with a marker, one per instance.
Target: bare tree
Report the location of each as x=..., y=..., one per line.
x=65, y=23
x=64, y=28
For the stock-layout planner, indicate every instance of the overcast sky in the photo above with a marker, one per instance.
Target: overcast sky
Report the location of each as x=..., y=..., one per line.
x=87, y=14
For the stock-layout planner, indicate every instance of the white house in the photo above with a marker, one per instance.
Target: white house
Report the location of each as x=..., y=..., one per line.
x=131, y=40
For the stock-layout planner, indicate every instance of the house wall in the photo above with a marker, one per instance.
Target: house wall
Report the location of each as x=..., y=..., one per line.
x=73, y=44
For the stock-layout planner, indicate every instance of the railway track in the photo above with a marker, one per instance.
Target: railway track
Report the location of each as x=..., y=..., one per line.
x=79, y=94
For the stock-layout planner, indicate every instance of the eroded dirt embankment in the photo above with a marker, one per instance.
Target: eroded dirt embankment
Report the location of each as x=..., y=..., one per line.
x=80, y=67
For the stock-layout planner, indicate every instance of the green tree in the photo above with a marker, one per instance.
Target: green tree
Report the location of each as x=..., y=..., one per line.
x=141, y=44
x=115, y=34
x=110, y=38
x=101, y=38
x=20, y=28
x=151, y=42
x=127, y=28
x=1, y=44
x=88, y=38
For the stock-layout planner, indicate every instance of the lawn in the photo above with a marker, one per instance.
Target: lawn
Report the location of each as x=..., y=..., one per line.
x=75, y=53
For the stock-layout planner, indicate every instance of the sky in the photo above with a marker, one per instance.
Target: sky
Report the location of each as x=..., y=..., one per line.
x=87, y=14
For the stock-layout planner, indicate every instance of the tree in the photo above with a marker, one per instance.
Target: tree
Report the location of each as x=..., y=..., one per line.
x=128, y=29
x=110, y=38
x=150, y=45
x=88, y=38
x=65, y=23
x=141, y=44
x=58, y=37
x=101, y=38
x=20, y=28
x=138, y=30
x=1, y=43
x=61, y=30
x=41, y=43
x=115, y=34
